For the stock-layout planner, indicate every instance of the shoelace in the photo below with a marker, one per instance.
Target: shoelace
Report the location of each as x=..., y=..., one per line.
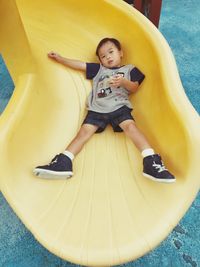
x=54, y=160
x=160, y=167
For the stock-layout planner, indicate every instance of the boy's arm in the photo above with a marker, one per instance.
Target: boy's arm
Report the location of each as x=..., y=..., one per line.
x=136, y=78
x=71, y=63
x=118, y=80
x=130, y=85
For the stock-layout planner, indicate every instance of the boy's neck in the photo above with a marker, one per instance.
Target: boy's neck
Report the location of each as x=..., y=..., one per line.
x=114, y=68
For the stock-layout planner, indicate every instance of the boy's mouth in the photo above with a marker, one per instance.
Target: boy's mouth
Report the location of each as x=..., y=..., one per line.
x=110, y=62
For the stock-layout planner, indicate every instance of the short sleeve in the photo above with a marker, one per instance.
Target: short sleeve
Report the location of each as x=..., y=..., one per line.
x=92, y=70
x=137, y=75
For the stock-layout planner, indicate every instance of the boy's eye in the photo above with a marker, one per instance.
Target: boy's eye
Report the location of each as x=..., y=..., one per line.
x=103, y=57
x=111, y=51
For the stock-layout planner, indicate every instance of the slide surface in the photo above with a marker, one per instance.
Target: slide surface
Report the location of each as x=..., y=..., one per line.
x=108, y=213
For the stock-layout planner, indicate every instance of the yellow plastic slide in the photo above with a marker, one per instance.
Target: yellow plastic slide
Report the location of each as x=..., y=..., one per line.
x=108, y=213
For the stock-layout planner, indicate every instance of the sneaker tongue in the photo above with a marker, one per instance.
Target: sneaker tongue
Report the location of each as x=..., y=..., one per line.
x=157, y=159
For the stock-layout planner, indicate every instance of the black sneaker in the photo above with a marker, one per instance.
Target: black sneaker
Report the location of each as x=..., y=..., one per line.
x=155, y=170
x=59, y=168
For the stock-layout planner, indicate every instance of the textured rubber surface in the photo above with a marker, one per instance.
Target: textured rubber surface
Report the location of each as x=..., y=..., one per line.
x=108, y=213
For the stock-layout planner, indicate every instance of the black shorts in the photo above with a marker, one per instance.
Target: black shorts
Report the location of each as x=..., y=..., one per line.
x=103, y=119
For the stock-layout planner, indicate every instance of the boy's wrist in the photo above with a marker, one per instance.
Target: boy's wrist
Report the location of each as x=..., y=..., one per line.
x=125, y=82
x=59, y=58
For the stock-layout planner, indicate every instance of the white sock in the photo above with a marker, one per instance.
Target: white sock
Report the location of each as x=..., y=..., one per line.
x=147, y=152
x=69, y=154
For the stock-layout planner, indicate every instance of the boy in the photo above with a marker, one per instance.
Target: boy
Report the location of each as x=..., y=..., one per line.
x=108, y=103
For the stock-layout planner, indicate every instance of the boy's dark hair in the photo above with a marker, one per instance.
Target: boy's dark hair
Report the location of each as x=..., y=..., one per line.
x=105, y=40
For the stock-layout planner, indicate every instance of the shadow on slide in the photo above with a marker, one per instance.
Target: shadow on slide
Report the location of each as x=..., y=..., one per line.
x=108, y=213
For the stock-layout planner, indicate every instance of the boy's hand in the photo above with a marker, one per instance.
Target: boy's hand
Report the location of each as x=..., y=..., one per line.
x=54, y=56
x=117, y=81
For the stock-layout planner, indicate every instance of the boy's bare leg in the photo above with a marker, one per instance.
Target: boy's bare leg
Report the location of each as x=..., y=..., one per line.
x=154, y=168
x=130, y=129
x=85, y=133
x=61, y=165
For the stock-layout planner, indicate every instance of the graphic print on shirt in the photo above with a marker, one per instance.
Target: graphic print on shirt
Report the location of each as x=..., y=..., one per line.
x=103, y=85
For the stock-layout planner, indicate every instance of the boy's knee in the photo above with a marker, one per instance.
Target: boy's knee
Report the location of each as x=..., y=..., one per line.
x=86, y=131
x=129, y=127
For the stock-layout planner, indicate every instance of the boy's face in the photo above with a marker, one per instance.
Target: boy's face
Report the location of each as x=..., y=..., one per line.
x=110, y=56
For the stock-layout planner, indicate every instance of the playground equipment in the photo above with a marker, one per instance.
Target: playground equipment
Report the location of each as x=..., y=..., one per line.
x=108, y=213
x=150, y=8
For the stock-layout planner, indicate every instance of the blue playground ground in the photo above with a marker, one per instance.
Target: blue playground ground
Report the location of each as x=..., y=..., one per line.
x=180, y=24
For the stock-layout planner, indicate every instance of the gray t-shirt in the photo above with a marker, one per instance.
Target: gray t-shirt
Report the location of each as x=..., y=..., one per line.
x=103, y=98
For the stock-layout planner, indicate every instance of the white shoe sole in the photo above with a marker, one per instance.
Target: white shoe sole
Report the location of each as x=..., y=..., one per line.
x=47, y=174
x=160, y=180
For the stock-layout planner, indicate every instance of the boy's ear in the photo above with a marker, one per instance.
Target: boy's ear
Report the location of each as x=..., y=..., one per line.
x=121, y=54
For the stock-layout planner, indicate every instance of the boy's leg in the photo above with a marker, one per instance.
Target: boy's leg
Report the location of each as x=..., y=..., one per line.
x=138, y=138
x=61, y=166
x=84, y=134
x=153, y=165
